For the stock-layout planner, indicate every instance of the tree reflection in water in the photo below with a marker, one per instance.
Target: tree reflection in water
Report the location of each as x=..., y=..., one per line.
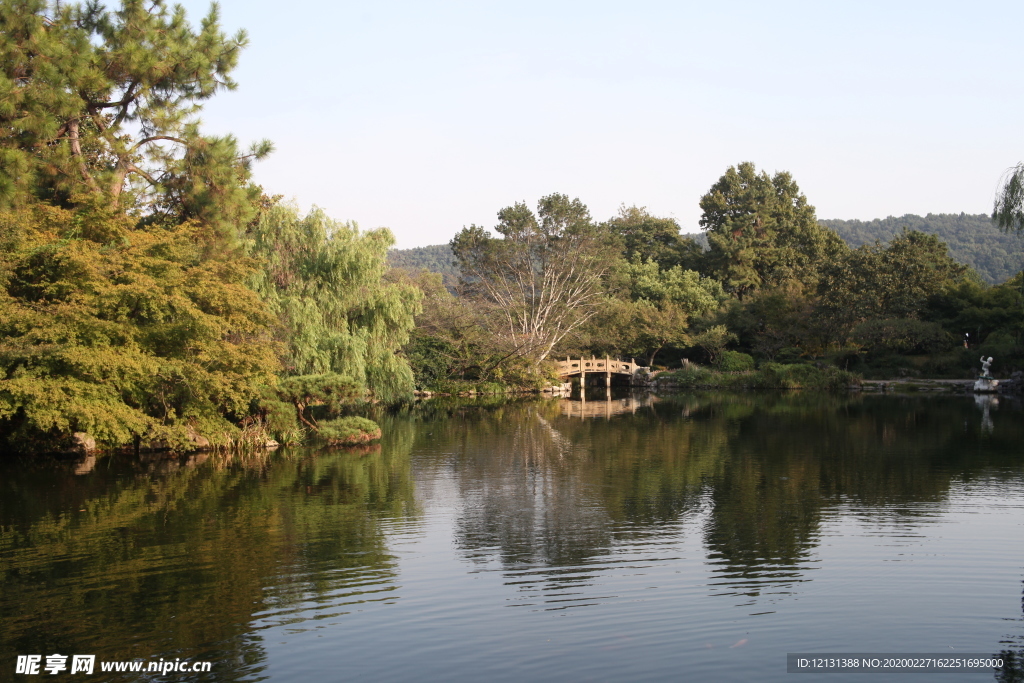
x=203, y=557
x=553, y=489
x=193, y=557
x=1012, y=655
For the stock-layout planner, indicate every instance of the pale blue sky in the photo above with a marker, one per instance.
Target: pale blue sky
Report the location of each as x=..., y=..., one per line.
x=427, y=116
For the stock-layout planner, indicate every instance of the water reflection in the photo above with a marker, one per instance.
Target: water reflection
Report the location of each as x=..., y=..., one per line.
x=682, y=515
x=986, y=402
x=557, y=496
x=1012, y=654
x=609, y=407
x=521, y=500
x=192, y=557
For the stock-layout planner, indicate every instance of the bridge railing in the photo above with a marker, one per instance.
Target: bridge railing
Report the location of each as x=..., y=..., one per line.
x=582, y=366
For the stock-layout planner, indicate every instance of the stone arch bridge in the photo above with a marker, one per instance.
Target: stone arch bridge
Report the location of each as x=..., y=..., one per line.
x=602, y=367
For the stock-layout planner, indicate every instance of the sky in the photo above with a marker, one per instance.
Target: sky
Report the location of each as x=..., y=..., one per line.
x=427, y=116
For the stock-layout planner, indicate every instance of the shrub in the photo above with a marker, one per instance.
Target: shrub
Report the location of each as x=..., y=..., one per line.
x=735, y=361
x=777, y=376
x=349, y=431
x=789, y=354
x=1000, y=345
x=770, y=376
x=952, y=365
x=690, y=376
x=280, y=420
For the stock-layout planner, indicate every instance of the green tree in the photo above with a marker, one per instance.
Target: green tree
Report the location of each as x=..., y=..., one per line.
x=324, y=280
x=714, y=340
x=124, y=310
x=451, y=339
x=122, y=333
x=775, y=324
x=664, y=301
x=650, y=238
x=103, y=104
x=974, y=240
x=905, y=335
x=894, y=282
x=1008, y=211
x=969, y=307
x=762, y=232
x=545, y=274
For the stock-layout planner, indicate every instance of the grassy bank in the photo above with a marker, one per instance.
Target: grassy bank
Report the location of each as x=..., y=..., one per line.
x=456, y=387
x=768, y=376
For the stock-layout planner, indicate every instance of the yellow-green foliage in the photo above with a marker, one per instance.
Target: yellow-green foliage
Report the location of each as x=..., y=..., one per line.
x=349, y=431
x=123, y=332
x=127, y=302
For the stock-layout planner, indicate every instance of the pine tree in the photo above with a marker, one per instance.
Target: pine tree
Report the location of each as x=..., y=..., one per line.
x=124, y=306
x=95, y=103
x=131, y=304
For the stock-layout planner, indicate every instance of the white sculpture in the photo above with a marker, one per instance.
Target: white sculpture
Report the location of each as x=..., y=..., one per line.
x=985, y=384
x=985, y=402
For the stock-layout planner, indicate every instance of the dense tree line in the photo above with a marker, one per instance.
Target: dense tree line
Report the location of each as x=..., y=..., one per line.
x=974, y=240
x=437, y=258
x=150, y=293
x=768, y=283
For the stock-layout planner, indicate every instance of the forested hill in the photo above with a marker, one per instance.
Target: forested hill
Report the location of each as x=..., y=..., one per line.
x=436, y=258
x=972, y=239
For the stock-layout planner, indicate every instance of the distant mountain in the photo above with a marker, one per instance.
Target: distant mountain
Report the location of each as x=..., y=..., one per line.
x=972, y=239
x=436, y=258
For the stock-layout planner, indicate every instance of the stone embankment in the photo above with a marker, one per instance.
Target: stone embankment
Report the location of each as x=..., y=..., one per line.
x=1013, y=386
x=906, y=385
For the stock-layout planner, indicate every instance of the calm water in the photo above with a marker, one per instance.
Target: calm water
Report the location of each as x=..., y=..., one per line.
x=696, y=537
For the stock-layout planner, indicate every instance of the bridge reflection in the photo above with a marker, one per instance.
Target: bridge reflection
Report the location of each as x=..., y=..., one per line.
x=606, y=408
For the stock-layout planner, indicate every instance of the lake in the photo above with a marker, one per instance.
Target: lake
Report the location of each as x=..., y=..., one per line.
x=689, y=537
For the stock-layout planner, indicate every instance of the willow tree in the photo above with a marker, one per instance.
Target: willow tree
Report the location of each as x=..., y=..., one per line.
x=339, y=320
x=1008, y=210
x=544, y=275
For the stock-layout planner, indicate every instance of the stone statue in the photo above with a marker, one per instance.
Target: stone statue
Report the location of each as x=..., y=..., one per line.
x=985, y=384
